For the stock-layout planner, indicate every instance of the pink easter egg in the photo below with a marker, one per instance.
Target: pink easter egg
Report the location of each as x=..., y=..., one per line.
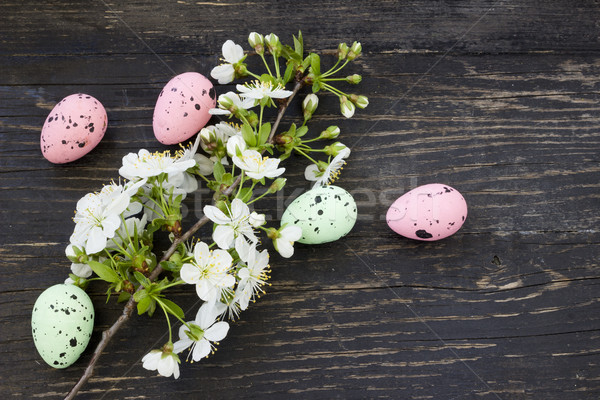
x=182, y=107
x=73, y=128
x=429, y=212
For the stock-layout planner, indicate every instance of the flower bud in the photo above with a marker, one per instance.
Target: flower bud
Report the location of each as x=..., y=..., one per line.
x=235, y=144
x=330, y=133
x=256, y=39
x=342, y=51
x=256, y=219
x=226, y=103
x=355, y=51
x=273, y=233
x=354, y=79
x=309, y=105
x=347, y=107
x=273, y=44
x=282, y=140
x=252, y=118
x=336, y=148
x=277, y=185
x=360, y=101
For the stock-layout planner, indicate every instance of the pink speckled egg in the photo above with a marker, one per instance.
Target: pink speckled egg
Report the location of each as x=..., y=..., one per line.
x=182, y=107
x=429, y=212
x=73, y=128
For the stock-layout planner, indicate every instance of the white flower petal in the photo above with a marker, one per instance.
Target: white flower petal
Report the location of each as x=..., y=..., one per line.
x=224, y=236
x=215, y=215
x=201, y=350
x=190, y=273
x=232, y=53
x=217, y=332
x=182, y=344
x=223, y=73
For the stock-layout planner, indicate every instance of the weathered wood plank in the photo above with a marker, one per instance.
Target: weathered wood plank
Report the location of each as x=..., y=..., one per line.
x=498, y=99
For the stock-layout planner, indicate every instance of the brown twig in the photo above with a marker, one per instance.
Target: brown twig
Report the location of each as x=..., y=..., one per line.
x=108, y=334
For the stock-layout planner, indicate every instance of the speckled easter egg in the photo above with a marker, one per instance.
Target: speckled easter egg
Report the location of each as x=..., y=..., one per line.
x=73, y=128
x=428, y=212
x=325, y=214
x=61, y=322
x=182, y=107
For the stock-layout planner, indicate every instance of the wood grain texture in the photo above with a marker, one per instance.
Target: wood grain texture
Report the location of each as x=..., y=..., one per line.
x=498, y=99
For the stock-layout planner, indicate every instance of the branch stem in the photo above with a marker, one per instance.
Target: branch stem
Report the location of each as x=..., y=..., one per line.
x=108, y=334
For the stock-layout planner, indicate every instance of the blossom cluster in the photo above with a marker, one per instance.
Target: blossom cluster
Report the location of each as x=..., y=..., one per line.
x=114, y=228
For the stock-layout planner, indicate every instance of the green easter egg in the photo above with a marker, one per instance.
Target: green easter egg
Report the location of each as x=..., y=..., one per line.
x=325, y=214
x=61, y=323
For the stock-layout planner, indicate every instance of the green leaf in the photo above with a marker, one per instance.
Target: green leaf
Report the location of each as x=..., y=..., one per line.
x=315, y=64
x=298, y=44
x=142, y=279
x=248, y=135
x=245, y=194
x=173, y=308
x=267, y=78
x=123, y=296
x=263, y=135
x=228, y=179
x=316, y=86
x=289, y=70
x=218, y=171
x=105, y=272
x=139, y=295
x=170, y=266
x=144, y=304
x=213, y=185
x=302, y=131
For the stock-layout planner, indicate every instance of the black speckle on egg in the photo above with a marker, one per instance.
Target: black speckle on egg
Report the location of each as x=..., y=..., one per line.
x=318, y=199
x=203, y=92
x=320, y=212
x=73, y=342
x=64, y=141
x=192, y=98
x=74, y=297
x=74, y=124
x=50, y=119
x=62, y=355
x=173, y=89
x=55, y=363
x=197, y=106
x=423, y=234
x=82, y=144
x=212, y=93
x=185, y=114
x=91, y=129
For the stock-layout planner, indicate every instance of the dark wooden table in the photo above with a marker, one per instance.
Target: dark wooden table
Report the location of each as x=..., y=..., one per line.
x=499, y=99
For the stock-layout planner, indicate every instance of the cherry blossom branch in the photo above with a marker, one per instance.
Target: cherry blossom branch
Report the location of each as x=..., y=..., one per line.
x=109, y=333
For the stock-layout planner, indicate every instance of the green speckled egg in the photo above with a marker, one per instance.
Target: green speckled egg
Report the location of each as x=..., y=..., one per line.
x=325, y=214
x=61, y=323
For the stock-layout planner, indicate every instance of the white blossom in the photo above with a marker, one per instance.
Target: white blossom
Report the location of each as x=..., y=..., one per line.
x=98, y=216
x=166, y=363
x=284, y=243
x=232, y=54
x=257, y=90
x=233, y=230
x=331, y=173
x=207, y=329
x=252, y=276
x=209, y=271
x=256, y=166
x=231, y=101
